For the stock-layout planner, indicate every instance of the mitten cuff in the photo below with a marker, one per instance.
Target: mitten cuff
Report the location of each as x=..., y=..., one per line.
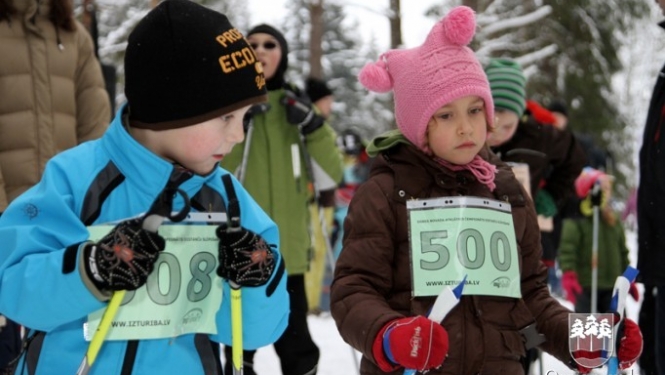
x=380, y=357
x=84, y=251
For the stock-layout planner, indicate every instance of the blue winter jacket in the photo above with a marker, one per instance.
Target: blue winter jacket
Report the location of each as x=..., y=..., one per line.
x=104, y=181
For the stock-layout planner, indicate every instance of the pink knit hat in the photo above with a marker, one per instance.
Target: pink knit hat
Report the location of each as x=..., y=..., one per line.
x=428, y=77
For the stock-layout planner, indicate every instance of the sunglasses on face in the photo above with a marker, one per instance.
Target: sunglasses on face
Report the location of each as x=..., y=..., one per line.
x=266, y=45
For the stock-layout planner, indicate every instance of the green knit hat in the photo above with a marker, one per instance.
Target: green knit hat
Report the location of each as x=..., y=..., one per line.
x=507, y=83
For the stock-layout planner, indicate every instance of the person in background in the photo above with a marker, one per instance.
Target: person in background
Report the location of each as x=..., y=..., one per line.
x=322, y=210
x=52, y=98
x=356, y=171
x=321, y=95
x=288, y=149
x=576, y=246
x=443, y=109
x=650, y=234
x=597, y=157
x=524, y=134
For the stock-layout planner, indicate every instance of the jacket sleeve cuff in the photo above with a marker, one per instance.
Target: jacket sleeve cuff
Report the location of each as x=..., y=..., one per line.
x=379, y=355
x=101, y=295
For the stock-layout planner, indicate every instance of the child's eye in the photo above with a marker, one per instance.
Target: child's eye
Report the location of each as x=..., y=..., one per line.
x=227, y=118
x=445, y=116
x=477, y=110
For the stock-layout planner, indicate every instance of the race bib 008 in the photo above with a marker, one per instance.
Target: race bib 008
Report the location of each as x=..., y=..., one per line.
x=182, y=294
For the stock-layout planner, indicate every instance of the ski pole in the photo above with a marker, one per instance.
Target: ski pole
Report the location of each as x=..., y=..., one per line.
x=317, y=193
x=445, y=301
x=236, y=328
x=159, y=210
x=322, y=219
x=596, y=196
x=233, y=225
x=249, y=131
x=617, y=304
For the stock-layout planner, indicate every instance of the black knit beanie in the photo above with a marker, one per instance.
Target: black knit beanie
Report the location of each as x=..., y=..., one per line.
x=275, y=82
x=316, y=89
x=186, y=64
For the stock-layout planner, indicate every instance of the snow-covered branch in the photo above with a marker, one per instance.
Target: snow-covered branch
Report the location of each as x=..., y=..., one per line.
x=516, y=22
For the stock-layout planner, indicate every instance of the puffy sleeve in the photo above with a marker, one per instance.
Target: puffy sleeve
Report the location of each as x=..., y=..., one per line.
x=36, y=229
x=363, y=273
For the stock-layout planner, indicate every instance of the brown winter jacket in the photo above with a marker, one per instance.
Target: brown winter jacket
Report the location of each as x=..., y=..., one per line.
x=372, y=282
x=51, y=99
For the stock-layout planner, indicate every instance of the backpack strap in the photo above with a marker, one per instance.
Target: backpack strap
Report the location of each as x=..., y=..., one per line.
x=233, y=210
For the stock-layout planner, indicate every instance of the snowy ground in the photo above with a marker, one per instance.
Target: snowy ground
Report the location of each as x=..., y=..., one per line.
x=337, y=358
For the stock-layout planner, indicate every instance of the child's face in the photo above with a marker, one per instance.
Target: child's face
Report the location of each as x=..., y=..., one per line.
x=201, y=147
x=458, y=130
x=505, y=126
x=267, y=51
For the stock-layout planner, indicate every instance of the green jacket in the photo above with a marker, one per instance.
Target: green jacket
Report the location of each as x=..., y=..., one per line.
x=271, y=176
x=576, y=246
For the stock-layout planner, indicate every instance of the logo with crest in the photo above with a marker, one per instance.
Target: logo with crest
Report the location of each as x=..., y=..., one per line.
x=590, y=338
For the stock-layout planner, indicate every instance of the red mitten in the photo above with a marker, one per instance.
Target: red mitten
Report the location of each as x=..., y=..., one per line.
x=583, y=370
x=634, y=292
x=629, y=343
x=414, y=342
x=571, y=286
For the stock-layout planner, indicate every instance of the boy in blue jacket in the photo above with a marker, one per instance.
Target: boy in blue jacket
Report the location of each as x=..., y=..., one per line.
x=77, y=237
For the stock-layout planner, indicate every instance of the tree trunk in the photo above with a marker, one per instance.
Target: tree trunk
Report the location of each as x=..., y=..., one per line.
x=395, y=24
x=473, y=4
x=316, y=39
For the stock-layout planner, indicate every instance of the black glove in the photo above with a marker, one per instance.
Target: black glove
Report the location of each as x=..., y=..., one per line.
x=299, y=112
x=254, y=110
x=124, y=258
x=244, y=256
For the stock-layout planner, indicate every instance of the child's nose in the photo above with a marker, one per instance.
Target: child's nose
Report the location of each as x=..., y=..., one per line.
x=237, y=133
x=465, y=126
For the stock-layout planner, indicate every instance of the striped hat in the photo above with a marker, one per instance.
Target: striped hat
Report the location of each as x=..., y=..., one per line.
x=508, y=85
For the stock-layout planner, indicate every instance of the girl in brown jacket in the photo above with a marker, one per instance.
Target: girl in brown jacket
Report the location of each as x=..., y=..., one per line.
x=379, y=300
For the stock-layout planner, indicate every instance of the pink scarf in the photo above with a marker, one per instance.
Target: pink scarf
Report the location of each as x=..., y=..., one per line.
x=481, y=169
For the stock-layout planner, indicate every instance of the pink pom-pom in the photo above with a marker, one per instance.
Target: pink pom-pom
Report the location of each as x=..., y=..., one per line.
x=460, y=25
x=375, y=77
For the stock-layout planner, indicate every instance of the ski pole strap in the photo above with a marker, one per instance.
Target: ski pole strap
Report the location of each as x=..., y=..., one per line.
x=233, y=210
x=532, y=338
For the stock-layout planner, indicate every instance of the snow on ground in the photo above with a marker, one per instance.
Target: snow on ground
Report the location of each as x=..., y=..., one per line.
x=337, y=358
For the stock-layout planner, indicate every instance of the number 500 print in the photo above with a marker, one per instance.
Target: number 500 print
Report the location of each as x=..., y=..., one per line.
x=428, y=245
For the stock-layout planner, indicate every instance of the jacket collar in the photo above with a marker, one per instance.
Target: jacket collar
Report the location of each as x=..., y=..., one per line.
x=145, y=170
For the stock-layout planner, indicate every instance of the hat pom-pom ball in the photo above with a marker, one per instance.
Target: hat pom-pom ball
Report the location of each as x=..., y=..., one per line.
x=375, y=77
x=460, y=25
